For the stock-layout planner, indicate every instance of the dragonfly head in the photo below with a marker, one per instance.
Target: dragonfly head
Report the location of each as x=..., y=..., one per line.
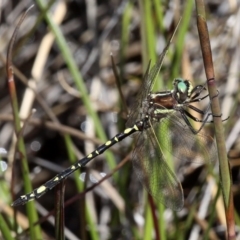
x=182, y=89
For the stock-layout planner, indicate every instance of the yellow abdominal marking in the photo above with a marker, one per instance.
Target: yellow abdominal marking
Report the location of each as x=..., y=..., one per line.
x=97, y=152
x=41, y=189
x=32, y=195
x=128, y=130
x=135, y=127
x=24, y=197
x=89, y=156
x=108, y=143
x=55, y=179
x=73, y=167
x=116, y=139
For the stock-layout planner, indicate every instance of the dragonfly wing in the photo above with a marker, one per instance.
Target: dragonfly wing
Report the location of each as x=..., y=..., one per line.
x=147, y=85
x=154, y=173
x=135, y=111
x=183, y=144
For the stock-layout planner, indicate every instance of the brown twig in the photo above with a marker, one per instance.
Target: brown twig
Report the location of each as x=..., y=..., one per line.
x=224, y=168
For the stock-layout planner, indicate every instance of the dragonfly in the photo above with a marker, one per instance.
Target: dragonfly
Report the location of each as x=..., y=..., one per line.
x=161, y=126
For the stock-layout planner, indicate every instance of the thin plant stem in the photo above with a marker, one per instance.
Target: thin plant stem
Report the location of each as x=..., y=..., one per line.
x=224, y=167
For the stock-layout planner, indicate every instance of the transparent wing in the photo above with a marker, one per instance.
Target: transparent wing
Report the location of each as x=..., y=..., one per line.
x=154, y=173
x=178, y=140
x=147, y=85
x=135, y=110
x=169, y=142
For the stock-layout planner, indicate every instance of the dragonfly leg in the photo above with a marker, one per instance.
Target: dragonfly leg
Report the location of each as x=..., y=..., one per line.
x=197, y=91
x=186, y=114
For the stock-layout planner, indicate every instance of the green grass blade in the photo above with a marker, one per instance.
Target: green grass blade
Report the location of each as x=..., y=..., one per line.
x=180, y=39
x=6, y=232
x=73, y=69
x=35, y=231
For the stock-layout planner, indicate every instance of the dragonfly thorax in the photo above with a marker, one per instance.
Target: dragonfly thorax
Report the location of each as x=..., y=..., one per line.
x=159, y=104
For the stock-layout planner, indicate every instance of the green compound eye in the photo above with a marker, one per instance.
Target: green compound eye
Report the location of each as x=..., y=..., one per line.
x=182, y=87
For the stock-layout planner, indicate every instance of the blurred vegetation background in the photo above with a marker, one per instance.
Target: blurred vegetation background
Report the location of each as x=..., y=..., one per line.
x=62, y=53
